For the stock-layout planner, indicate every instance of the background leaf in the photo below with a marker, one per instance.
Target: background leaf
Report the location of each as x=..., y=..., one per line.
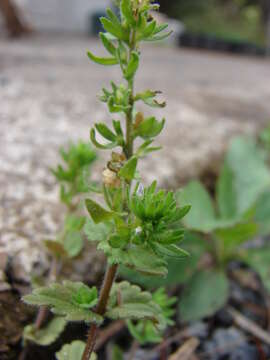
x=48, y=334
x=97, y=212
x=202, y=211
x=251, y=174
x=259, y=260
x=226, y=195
x=206, y=292
x=73, y=351
x=73, y=243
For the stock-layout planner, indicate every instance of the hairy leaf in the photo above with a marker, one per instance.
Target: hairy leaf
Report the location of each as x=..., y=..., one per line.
x=134, y=303
x=73, y=351
x=48, y=334
x=96, y=232
x=65, y=300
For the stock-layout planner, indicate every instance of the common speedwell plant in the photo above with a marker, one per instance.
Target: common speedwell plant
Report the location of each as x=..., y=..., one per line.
x=134, y=226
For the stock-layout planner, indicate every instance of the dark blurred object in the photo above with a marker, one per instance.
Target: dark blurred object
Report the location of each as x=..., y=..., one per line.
x=94, y=24
x=246, y=20
x=208, y=42
x=13, y=20
x=265, y=6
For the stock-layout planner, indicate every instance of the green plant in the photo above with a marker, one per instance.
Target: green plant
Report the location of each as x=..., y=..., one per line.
x=240, y=211
x=135, y=226
x=68, y=243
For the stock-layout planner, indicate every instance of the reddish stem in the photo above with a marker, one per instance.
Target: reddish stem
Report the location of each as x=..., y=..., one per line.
x=101, y=309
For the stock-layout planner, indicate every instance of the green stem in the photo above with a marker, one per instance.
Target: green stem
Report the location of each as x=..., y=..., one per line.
x=112, y=270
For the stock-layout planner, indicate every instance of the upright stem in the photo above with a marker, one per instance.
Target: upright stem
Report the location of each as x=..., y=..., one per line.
x=101, y=308
x=112, y=270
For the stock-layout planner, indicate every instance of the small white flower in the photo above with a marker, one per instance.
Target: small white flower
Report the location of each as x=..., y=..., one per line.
x=138, y=230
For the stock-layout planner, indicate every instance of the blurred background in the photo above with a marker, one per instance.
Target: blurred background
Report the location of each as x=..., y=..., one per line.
x=214, y=74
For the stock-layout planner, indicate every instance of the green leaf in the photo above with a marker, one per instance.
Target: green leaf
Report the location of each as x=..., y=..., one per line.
x=146, y=95
x=132, y=66
x=117, y=128
x=101, y=60
x=105, y=132
x=108, y=146
x=179, y=272
x=202, y=212
x=226, y=195
x=85, y=297
x=55, y=247
x=147, y=31
x=134, y=303
x=108, y=44
x=129, y=169
x=146, y=261
x=114, y=28
x=97, y=212
x=127, y=13
x=48, y=334
x=150, y=127
x=160, y=28
x=154, y=103
x=262, y=213
x=205, y=293
x=96, y=232
x=145, y=148
x=251, y=174
x=234, y=236
x=73, y=243
x=73, y=351
x=259, y=260
x=159, y=37
x=171, y=250
x=145, y=331
x=61, y=298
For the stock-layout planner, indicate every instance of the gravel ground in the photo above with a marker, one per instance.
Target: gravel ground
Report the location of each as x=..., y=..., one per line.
x=48, y=97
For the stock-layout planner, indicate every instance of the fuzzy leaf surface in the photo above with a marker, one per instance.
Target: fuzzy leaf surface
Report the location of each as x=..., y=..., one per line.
x=46, y=335
x=134, y=303
x=71, y=300
x=73, y=351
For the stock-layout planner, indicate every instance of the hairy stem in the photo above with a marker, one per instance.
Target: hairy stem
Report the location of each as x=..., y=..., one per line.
x=112, y=270
x=101, y=308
